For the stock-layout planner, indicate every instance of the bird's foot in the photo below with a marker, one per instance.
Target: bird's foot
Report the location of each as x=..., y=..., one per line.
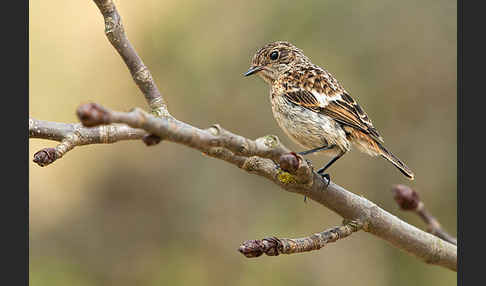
x=326, y=177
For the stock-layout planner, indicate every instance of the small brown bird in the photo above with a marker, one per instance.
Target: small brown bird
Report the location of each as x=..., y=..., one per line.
x=314, y=109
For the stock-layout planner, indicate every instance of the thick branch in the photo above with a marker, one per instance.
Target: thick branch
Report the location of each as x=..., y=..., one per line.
x=409, y=200
x=171, y=129
x=140, y=73
x=375, y=220
x=274, y=246
x=72, y=135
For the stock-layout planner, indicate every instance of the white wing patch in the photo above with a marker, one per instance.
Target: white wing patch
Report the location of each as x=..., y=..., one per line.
x=323, y=99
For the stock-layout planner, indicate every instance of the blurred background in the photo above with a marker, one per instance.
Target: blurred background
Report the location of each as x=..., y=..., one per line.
x=127, y=214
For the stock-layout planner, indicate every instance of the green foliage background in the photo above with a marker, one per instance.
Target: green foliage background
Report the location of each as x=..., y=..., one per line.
x=126, y=214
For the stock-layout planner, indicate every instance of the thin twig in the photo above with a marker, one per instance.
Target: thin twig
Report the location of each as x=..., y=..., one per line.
x=274, y=246
x=140, y=73
x=72, y=135
x=409, y=200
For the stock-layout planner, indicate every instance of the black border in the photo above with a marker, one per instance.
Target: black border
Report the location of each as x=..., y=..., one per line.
x=15, y=144
x=470, y=151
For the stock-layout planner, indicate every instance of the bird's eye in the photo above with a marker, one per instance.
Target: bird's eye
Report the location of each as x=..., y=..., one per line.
x=274, y=55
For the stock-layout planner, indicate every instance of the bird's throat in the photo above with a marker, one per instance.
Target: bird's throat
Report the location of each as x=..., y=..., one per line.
x=267, y=76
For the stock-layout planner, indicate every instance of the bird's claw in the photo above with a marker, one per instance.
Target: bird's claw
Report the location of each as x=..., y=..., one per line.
x=327, y=177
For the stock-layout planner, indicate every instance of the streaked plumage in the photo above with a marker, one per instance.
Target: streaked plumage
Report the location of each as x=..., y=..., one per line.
x=313, y=109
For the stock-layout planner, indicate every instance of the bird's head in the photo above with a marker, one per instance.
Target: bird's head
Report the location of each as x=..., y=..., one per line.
x=274, y=59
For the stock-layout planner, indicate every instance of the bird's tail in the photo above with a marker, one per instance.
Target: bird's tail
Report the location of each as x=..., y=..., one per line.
x=395, y=161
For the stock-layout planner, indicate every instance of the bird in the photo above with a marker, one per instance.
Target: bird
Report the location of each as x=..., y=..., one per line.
x=314, y=109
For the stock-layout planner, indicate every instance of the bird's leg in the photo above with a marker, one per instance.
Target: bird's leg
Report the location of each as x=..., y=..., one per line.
x=326, y=147
x=321, y=170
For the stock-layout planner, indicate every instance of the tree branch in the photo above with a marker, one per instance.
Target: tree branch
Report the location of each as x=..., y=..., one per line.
x=256, y=157
x=274, y=246
x=140, y=73
x=72, y=135
x=409, y=200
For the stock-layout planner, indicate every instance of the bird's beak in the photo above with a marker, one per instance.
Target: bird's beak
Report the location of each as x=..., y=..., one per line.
x=253, y=70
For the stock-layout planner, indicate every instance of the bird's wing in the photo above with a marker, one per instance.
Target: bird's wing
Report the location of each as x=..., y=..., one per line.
x=340, y=107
